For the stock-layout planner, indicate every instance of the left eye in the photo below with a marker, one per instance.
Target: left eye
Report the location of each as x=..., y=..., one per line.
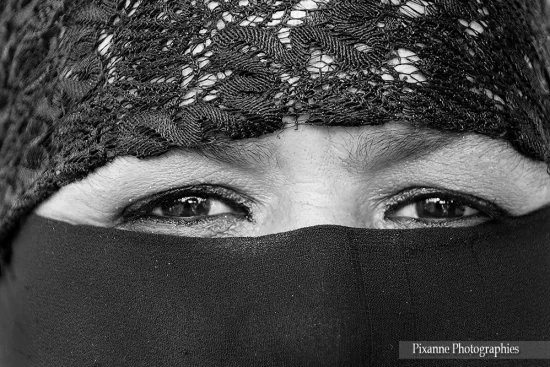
x=436, y=209
x=191, y=207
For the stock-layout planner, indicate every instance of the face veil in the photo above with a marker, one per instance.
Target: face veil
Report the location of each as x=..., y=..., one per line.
x=84, y=82
x=318, y=296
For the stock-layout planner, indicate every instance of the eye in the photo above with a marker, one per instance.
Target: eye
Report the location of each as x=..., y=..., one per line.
x=191, y=207
x=437, y=209
x=429, y=206
x=201, y=203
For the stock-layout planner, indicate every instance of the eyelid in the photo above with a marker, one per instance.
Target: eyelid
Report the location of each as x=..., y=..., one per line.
x=412, y=195
x=219, y=192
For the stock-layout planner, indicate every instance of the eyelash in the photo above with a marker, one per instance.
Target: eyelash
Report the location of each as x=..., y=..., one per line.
x=416, y=194
x=140, y=210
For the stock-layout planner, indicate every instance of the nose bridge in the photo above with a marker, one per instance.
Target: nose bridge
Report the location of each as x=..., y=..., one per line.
x=323, y=208
x=321, y=199
x=317, y=187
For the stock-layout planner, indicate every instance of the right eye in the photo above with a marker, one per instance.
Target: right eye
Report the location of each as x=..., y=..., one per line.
x=191, y=205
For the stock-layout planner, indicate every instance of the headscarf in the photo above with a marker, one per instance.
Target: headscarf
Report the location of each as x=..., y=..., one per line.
x=84, y=82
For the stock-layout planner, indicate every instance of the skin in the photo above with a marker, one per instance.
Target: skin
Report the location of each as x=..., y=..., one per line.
x=313, y=175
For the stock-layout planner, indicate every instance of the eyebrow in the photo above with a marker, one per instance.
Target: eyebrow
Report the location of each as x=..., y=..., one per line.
x=241, y=153
x=379, y=148
x=370, y=149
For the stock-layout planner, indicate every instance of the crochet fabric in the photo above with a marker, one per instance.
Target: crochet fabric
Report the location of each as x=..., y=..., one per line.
x=82, y=82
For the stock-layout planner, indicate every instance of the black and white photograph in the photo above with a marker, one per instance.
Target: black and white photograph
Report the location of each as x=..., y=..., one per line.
x=278, y=183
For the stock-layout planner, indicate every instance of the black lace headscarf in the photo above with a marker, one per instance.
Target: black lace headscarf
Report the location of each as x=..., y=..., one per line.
x=82, y=82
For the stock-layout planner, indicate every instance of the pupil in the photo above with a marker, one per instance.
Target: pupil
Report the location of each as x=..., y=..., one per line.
x=187, y=207
x=440, y=209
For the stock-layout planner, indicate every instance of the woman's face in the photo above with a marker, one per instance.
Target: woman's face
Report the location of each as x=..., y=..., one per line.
x=391, y=176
